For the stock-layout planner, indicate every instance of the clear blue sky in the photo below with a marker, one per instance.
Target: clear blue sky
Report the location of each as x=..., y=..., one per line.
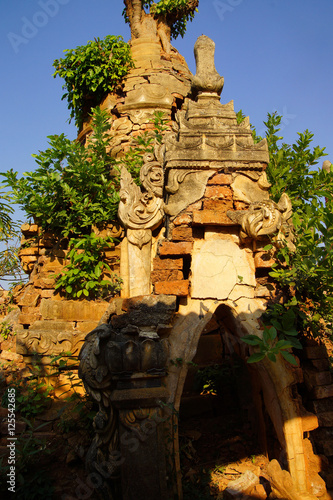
x=273, y=54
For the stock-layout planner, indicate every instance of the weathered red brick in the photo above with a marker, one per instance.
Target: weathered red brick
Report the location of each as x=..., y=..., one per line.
x=222, y=179
x=212, y=217
x=159, y=263
x=183, y=219
x=180, y=248
x=28, y=251
x=180, y=288
x=326, y=419
x=195, y=206
x=29, y=229
x=321, y=364
x=315, y=352
x=221, y=192
x=263, y=260
x=166, y=275
x=323, y=391
x=313, y=378
x=29, y=298
x=28, y=319
x=220, y=205
x=241, y=205
x=181, y=233
x=10, y=356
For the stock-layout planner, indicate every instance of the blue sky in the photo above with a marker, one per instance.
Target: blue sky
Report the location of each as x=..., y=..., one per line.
x=273, y=54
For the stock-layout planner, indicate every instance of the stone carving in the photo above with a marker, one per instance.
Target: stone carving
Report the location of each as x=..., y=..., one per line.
x=207, y=78
x=208, y=135
x=48, y=342
x=97, y=380
x=141, y=210
x=121, y=365
x=266, y=218
x=185, y=187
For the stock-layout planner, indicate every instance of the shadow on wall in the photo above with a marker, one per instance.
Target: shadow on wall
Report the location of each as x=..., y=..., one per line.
x=135, y=365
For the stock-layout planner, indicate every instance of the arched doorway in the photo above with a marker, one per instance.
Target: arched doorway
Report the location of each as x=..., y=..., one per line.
x=274, y=383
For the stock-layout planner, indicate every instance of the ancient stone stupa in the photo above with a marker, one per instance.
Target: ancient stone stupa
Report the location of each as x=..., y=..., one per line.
x=195, y=273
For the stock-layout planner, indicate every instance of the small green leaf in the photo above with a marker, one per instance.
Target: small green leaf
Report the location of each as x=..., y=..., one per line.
x=289, y=357
x=256, y=357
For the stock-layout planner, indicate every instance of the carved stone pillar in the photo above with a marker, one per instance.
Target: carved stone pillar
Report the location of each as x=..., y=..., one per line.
x=122, y=365
x=141, y=210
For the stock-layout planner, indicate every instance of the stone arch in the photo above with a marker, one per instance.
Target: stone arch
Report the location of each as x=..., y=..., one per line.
x=277, y=380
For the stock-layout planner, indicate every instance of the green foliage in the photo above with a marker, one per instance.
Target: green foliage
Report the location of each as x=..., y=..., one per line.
x=7, y=227
x=240, y=118
x=269, y=346
x=176, y=11
x=145, y=143
x=5, y=330
x=308, y=272
x=10, y=269
x=305, y=275
x=32, y=394
x=213, y=379
x=91, y=71
x=83, y=276
x=72, y=187
x=171, y=8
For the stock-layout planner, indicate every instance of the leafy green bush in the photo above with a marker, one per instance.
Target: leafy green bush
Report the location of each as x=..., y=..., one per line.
x=307, y=272
x=5, y=330
x=305, y=275
x=72, y=187
x=91, y=71
x=32, y=395
x=84, y=273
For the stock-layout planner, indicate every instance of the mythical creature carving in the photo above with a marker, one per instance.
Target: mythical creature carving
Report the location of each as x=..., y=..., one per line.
x=267, y=218
x=141, y=209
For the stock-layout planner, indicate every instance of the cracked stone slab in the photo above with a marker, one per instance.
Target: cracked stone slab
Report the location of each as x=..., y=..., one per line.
x=218, y=266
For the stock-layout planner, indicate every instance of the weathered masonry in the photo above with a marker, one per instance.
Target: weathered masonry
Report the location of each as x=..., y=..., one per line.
x=192, y=260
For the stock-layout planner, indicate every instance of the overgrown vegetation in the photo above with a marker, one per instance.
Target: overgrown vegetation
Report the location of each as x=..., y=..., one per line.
x=73, y=186
x=305, y=275
x=177, y=13
x=90, y=72
x=72, y=189
x=83, y=275
x=144, y=144
x=34, y=395
x=10, y=269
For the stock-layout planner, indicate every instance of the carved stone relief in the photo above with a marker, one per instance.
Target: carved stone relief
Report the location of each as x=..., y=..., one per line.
x=267, y=218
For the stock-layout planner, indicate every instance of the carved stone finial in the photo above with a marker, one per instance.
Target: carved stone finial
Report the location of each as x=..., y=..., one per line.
x=327, y=165
x=206, y=80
